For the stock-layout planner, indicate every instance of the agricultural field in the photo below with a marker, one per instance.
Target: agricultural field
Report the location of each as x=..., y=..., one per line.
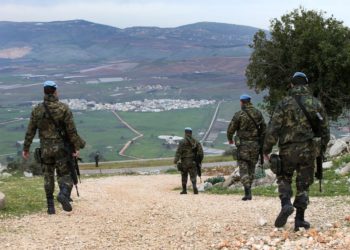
x=151, y=125
x=103, y=132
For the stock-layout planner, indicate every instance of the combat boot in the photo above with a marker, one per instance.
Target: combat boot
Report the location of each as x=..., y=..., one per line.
x=286, y=210
x=247, y=194
x=63, y=198
x=195, y=189
x=300, y=221
x=184, y=189
x=50, y=204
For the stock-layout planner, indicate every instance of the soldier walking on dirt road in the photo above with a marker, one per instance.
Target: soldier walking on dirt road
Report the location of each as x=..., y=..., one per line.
x=50, y=118
x=188, y=153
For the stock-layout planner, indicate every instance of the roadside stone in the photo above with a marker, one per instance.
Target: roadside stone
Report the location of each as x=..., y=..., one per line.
x=219, y=184
x=346, y=139
x=262, y=222
x=344, y=170
x=157, y=171
x=2, y=168
x=207, y=185
x=2, y=200
x=269, y=179
x=338, y=148
x=327, y=165
x=28, y=174
x=5, y=175
x=234, y=177
x=204, y=186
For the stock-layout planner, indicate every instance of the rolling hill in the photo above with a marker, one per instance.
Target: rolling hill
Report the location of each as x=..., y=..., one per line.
x=83, y=41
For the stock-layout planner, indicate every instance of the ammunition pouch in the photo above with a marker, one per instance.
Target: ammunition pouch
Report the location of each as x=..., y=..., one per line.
x=276, y=164
x=179, y=166
x=37, y=156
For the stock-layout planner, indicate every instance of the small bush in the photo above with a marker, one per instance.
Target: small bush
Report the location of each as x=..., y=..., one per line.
x=214, y=180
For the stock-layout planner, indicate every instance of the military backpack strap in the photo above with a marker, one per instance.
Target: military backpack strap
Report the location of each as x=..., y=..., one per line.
x=58, y=129
x=314, y=128
x=255, y=124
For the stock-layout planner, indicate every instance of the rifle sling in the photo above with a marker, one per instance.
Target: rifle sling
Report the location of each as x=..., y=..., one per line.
x=194, y=149
x=307, y=114
x=58, y=129
x=256, y=125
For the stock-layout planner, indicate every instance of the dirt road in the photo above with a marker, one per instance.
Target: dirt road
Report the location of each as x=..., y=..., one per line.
x=144, y=212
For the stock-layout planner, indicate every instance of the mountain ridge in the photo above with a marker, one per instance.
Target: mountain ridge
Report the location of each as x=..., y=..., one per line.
x=85, y=41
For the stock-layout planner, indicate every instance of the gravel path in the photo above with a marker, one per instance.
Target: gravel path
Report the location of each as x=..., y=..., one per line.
x=143, y=212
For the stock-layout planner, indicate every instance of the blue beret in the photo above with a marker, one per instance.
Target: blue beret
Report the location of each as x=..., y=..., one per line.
x=300, y=74
x=188, y=129
x=245, y=97
x=50, y=84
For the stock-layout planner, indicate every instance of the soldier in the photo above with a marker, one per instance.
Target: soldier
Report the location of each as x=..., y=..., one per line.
x=289, y=126
x=53, y=153
x=249, y=126
x=188, y=151
x=97, y=158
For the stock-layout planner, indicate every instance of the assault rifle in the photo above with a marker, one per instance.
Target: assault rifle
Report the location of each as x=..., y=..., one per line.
x=197, y=159
x=316, y=129
x=69, y=148
x=319, y=169
x=73, y=164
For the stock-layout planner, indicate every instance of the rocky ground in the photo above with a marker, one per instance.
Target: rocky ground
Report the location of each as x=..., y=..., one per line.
x=144, y=212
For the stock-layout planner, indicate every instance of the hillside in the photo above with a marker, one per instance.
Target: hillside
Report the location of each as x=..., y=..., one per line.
x=107, y=65
x=79, y=40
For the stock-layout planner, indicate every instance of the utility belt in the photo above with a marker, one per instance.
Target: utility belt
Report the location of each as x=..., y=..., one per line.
x=47, y=142
x=240, y=140
x=51, y=140
x=314, y=143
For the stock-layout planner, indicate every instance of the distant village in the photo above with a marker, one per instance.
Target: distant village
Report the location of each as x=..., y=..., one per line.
x=154, y=105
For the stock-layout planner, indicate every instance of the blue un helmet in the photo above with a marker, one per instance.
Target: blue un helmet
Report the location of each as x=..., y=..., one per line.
x=188, y=129
x=245, y=97
x=51, y=84
x=299, y=78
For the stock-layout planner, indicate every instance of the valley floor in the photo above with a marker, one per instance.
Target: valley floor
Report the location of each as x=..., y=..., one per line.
x=144, y=212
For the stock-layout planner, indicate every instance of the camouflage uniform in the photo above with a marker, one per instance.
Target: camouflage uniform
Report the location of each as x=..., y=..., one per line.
x=54, y=155
x=185, y=153
x=247, y=140
x=291, y=129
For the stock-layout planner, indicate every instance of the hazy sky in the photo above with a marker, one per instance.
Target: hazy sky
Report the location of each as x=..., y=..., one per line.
x=165, y=13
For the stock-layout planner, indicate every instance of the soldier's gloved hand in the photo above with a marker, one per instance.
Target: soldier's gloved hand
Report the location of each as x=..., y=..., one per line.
x=25, y=154
x=231, y=142
x=76, y=153
x=266, y=158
